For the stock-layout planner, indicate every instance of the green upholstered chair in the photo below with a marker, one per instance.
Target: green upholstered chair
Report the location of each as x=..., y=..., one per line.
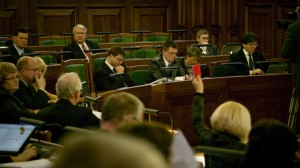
x=122, y=37
x=48, y=57
x=95, y=38
x=230, y=48
x=145, y=53
x=138, y=76
x=157, y=36
x=55, y=40
x=277, y=68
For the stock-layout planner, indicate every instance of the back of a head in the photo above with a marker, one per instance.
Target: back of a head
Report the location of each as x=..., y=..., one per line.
x=67, y=84
x=271, y=144
x=155, y=133
x=118, y=105
x=233, y=118
x=108, y=151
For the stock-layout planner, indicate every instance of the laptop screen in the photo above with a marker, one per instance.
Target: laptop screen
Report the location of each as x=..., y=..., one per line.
x=13, y=137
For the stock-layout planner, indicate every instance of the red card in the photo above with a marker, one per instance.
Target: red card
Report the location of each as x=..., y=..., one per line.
x=196, y=70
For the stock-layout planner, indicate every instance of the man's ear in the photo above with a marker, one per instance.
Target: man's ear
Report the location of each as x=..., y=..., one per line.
x=77, y=94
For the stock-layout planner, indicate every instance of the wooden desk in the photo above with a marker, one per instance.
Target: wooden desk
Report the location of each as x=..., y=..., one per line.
x=265, y=96
x=143, y=92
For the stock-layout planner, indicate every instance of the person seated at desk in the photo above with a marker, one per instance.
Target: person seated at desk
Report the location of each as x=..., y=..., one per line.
x=202, y=36
x=11, y=108
x=248, y=55
x=28, y=69
x=17, y=49
x=121, y=109
x=167, y=58
x=80, y=44
x=192, y=57
x=65, y=111
x=24, y=156
x=43, y=69
x=111, y=73
x=230, y=122
x=271, y=144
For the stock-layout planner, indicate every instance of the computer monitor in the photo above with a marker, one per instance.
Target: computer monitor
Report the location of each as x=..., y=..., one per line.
x=14, y=137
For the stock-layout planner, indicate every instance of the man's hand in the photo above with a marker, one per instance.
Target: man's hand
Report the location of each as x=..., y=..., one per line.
x=257, y=72
x=120, y=69
x=41, y=82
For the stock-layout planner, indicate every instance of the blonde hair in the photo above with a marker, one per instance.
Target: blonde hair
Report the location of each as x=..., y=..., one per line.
x=79, y=26
x=42, y=64
x=233, y=118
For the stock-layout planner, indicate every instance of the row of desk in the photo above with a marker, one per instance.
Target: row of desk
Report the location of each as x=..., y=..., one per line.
x=266, y=96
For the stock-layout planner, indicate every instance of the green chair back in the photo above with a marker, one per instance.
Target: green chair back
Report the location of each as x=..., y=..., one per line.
x=80, y=69
x=157, y=38
x=48, y=59
x=97, y=62
x=123, y=39
x=55, y=42
x=138, y=77
x=96, y=40
x=277, y=68
x=221, y=71
x=145, y=53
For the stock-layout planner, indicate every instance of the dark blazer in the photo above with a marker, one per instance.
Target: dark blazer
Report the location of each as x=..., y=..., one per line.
x=183, y=66
x=30, y=98
x=11, y=50
x=104, y=81
x=291, y=50
x=11, y=108
x=239, y=56
x=208, y=137
x=211, y=50
x=155, y=71
x=65, y=113
x=78, y=54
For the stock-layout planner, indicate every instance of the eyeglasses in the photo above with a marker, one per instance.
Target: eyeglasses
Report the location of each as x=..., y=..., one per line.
x=12, y=78
x=119, y=59
x=204, y=38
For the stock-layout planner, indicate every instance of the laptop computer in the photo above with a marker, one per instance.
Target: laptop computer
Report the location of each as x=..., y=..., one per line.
x=14, y=137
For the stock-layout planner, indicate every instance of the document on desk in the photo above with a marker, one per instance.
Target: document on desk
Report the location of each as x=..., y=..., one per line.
x=183, y=155
x=39, y=163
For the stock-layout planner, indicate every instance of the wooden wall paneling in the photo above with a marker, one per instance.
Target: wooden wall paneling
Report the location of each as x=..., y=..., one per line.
x=235, y=21
x=8, y=20
x=105, y=19
x=179, y=17
x=260, y=20
x=56, y=20
x=155, y=19
x=197, y=21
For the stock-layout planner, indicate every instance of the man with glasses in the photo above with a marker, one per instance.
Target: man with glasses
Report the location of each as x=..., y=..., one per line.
x=121, y=109
x=111, y=73
x=168, y=58
x=29, y=72
x=248, y=55
x=202, y=36
x=17, y=49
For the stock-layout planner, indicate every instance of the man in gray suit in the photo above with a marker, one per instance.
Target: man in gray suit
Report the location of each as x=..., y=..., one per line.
x=168, y=58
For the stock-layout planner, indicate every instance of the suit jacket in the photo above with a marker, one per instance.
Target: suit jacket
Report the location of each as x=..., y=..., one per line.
x=208, y=137
x=183, y=66
x=239, y=56
x=291, y=50
x=30, y=98
x=78, y=53
x=104, y=81
x=11, y=50
x=155, y=71
x=65, y=113
x=212, y=50
x=11, y=108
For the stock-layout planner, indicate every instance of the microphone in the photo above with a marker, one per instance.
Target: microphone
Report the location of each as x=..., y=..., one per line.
x=117, y=74
x=96, y=50
x=151, y=111
x=171, y=68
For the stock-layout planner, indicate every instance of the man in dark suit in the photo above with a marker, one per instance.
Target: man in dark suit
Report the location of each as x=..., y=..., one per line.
x=28, y=69
x=167, y=58
x=202, y=36
x=111, y=74
x=80, y=44
x=291, y=50
x=65, y=111
x=248, y=55
x=17, y=49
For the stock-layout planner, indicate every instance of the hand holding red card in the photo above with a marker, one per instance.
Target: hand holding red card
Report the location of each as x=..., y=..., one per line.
x=196, y=70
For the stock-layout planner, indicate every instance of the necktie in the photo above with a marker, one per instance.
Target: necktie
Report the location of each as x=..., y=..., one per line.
x=85, y=50
x=115, y=71
x=251, y=66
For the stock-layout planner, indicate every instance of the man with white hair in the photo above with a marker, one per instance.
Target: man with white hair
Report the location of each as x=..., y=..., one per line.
x=80, y=44
x=65, y=111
